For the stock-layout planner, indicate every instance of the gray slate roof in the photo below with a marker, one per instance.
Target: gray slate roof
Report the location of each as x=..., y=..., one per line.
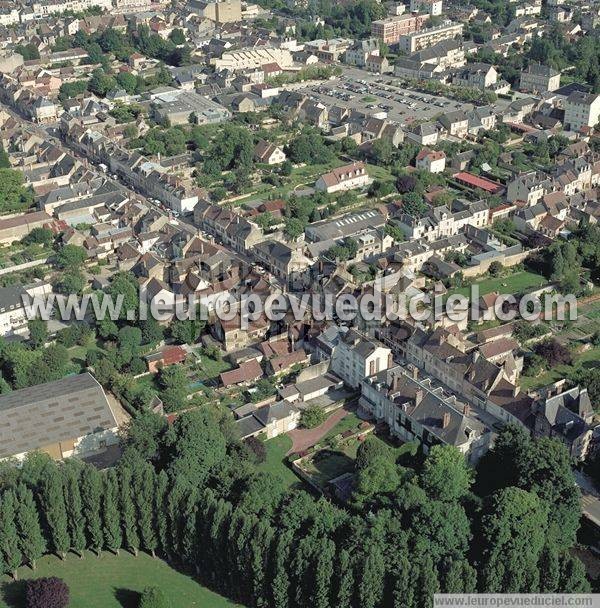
x=42, y=415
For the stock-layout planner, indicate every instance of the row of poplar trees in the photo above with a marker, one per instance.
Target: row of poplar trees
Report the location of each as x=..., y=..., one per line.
x=192, y=494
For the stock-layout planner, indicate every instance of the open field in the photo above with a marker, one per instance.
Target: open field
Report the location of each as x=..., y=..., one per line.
x=380, y=173
x=304, y=176
x=514, y=283
x=113, y=582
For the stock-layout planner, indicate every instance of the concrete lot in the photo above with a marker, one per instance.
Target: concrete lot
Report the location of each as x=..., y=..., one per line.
x=401, y=105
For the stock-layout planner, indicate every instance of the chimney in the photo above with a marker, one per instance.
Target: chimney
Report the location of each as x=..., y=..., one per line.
x=445, y=420
x=395, y=382
x=419, y=396
x=515, y=390
x=466, y=409
x=415, y=372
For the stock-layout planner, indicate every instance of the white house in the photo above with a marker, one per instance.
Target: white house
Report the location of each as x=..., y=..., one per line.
x=356, y=356
x=582, y=110
x=268, y=153
x=433, y=7
x=431, y=160
x=344, y=178
x=416, y=411
x=13, y=317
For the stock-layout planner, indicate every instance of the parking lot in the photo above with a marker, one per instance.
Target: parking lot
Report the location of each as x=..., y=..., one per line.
x=361, y=90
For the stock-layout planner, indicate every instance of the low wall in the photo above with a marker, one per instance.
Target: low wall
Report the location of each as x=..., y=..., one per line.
x=483, y=267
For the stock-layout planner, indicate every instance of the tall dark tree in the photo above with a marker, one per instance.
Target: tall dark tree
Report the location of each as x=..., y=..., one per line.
x=111, y=519
x=91, y=491
x=345, y=578
x=427, y=581
x=547, y=472
x=280, y=586
x=513, y=532
x=131, y=537
x=31, y=540
x=446, y=475
x=74, y=506
x=55, y=512
x=162, y=524
x=372, y=568
x=572, y=575
x=498, y=468
x=261, y=541
x=10, y=552
x=143, y=491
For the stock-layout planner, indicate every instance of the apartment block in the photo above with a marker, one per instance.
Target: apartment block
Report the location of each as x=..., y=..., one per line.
x=582, y=110
x=539, y=78
x=420, y=39
x=391, y=29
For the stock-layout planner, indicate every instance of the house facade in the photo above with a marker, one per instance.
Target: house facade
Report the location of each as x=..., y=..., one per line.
x=416, y=411
x=347, y=177
x=357, y=356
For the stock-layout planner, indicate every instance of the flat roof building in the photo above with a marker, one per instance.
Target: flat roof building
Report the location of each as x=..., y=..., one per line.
x=178, y=106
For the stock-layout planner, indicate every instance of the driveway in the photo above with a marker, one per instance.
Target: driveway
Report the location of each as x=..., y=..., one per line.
x=302, y=439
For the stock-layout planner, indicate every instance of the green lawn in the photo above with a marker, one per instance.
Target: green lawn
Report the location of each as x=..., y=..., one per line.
x=113, y=582
x=78, y=354
x=329, y=464
x=349, y=422
x=208, y=368
x=380, y=173
x=591, y=311
x=589, y=358
x=148, y=380
x=277, y=448
x=514, y=283
x=300, y=176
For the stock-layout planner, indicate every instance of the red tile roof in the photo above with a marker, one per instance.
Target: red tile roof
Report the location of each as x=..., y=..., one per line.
x=173, y=354
x=248, y=371
x=286, y=361
x=433, y=154
x=478, y=182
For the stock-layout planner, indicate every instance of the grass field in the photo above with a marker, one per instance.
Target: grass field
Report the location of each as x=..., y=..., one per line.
x=380, y=173
x=514, y=283
x=113, y=582
x=588, y=358
x=277, y=448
